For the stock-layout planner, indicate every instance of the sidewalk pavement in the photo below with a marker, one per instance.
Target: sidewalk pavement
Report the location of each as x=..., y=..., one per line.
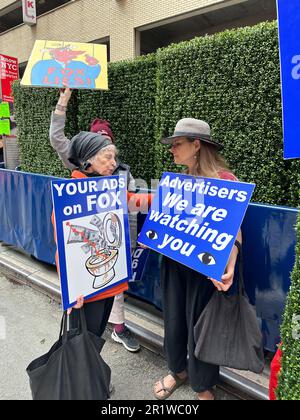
x=32, y=323
x=143, y=320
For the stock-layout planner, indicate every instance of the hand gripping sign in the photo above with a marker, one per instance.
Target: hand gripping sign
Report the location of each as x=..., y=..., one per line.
x=92, y=229
x=195, y=221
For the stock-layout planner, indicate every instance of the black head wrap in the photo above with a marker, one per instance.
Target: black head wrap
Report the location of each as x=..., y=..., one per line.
x=84, y=146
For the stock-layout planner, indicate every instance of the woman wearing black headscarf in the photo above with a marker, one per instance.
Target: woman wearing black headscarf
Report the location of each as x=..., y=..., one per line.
x=76, y=156
x=94, y=155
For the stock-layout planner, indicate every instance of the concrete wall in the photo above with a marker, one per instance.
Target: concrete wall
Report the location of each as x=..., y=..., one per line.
x=88, y=20
x=5, y=3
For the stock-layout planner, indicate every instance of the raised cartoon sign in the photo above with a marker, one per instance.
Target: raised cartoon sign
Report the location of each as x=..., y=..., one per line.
x=60, y=64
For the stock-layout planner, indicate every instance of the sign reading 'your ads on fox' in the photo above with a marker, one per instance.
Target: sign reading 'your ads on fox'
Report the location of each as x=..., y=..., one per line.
x=92, y=230
x=195, y=221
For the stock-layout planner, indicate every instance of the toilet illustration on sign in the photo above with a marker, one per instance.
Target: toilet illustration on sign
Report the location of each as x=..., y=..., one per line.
x=102, y=246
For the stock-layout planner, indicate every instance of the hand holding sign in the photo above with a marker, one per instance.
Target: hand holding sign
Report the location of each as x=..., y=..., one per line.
x=226, y=282
x=65, y=95
x=79, y=304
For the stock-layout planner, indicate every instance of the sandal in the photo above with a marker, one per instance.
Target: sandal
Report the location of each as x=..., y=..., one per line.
x=212, y=397
x=169, y=391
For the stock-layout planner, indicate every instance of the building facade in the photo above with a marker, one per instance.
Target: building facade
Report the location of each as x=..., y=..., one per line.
x=128, y=27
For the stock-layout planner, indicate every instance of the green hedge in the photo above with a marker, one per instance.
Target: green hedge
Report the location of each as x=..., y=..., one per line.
x=289, y=382
x=130, y=106
x=33, y=109
x=230, y=79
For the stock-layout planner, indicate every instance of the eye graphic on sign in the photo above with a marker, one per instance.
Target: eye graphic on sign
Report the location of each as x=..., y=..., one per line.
x=151, y=234
x=207, y=258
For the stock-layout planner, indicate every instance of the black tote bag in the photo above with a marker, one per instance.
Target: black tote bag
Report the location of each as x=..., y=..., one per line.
x=228, y=333
x=73, y=368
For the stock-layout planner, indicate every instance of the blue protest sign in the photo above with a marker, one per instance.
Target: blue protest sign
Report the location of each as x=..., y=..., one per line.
x=91, y=220
x=195, y=221
x=289, y=40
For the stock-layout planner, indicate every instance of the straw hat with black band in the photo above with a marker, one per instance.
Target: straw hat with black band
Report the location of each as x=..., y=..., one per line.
x=192, y=128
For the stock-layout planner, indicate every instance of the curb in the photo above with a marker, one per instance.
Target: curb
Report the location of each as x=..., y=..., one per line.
x=145, y=322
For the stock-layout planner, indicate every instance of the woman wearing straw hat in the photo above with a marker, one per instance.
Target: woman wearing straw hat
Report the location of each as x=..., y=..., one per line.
x=185, y=291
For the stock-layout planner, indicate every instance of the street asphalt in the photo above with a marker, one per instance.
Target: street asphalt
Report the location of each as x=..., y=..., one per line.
x=29, y=325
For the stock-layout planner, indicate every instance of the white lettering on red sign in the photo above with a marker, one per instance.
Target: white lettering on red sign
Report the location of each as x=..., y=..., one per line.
x=9, y=72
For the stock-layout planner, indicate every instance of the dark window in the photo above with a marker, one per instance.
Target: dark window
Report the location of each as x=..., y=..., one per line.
x=245, y=13
x=22, y=67
x=12, y=15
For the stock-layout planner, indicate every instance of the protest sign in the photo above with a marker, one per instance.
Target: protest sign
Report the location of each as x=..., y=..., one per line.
x=93, y=243
x=9, y=72
x=5, y=128
x=60, y=64
x=289, y=41
x=4, y=110
x=195, y=221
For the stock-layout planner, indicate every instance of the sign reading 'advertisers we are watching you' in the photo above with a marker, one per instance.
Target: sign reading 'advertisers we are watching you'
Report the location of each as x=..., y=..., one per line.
x=195, y=221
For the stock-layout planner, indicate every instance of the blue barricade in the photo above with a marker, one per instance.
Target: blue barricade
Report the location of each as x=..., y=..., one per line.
x=25, y=213
x=269, y=241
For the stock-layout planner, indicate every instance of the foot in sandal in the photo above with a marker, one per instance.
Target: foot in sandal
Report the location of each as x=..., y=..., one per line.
x=205, y=396
x=164, y=389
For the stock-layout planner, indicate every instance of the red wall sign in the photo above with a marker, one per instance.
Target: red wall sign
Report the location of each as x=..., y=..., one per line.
x=9, y=72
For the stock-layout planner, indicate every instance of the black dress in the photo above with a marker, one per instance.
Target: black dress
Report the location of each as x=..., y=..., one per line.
x=185, y=295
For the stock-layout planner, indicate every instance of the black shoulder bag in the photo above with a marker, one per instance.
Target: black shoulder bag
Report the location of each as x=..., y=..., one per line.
x=228, y=333
x=73, y=368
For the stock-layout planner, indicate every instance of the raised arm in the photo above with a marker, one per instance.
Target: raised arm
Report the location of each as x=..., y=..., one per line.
x=58, y=140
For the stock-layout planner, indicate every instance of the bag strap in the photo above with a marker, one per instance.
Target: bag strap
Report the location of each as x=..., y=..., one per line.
x=61, y=326
x=64, y=325
x=64, y=328
x=242, y=290
x=83, y=320
x=238, y=245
